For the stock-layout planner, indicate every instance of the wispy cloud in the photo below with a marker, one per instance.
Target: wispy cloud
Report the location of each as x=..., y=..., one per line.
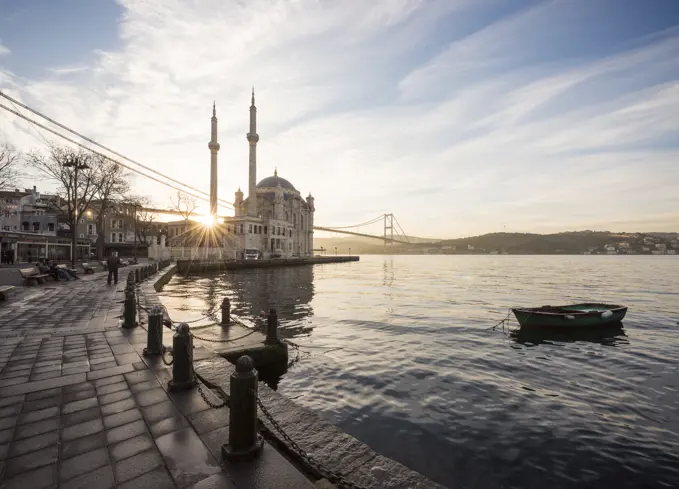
x=460, y=117
x=4, y=50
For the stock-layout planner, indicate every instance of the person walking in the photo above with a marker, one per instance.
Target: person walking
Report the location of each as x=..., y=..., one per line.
x=112, y=264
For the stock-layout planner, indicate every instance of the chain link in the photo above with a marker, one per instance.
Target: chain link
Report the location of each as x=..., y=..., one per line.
x=333, y=476
x=208, y=401
x=223, y=341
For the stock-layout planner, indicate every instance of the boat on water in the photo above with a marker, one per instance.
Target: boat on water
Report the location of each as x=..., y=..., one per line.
x=570, y=316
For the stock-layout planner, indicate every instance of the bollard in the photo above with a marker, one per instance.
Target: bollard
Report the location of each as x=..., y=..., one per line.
x=183, y=377
x=130, y=312
x=244, y=440
x=226, y=312
x=154, y=337
x=137, y=277
x=272, y=328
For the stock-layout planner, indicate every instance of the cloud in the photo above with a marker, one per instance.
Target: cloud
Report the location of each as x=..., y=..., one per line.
x=4, y=50
x=456, y=116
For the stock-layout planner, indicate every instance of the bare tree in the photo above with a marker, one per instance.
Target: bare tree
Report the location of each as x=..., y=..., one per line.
x=184, y=204
x=112, y=191
x=9, y=173
x=144, y=217
x=60, y=164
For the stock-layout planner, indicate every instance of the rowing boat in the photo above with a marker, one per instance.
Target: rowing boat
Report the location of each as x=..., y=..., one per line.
x=570, y=316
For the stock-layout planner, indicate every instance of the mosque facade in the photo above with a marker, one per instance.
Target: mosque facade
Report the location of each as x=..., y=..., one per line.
x=274, y=220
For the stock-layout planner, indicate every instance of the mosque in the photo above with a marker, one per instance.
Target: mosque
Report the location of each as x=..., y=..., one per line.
x=274, y=220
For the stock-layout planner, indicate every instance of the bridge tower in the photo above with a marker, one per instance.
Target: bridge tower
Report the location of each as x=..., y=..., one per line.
x=388, y=234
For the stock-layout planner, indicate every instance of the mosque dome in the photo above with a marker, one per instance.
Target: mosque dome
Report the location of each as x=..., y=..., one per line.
x=274, y=181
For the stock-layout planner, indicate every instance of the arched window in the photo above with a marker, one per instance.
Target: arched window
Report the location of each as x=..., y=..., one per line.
x=301, y=222
x=294, y=220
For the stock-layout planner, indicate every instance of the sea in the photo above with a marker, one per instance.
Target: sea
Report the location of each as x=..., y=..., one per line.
x=410, y=354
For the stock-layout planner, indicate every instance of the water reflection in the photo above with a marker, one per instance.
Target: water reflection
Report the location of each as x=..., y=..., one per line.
x=288, y=290
x=609, y=336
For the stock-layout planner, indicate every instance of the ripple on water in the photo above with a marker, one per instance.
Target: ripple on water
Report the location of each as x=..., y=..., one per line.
x=401, y=355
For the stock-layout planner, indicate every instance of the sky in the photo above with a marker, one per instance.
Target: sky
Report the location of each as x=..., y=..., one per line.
x=460, y=117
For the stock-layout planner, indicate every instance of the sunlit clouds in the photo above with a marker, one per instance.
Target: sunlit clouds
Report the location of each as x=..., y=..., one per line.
x=460, y=117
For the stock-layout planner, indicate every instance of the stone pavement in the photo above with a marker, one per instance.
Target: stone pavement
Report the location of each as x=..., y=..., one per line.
x=79, y=405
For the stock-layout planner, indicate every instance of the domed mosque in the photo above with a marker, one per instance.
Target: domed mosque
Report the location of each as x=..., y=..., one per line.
x=274, y=219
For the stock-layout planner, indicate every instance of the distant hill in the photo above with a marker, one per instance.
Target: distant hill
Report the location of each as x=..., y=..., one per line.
x=516, y=243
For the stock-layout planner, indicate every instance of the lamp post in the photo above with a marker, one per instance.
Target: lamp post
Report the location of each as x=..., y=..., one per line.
x=349, y=251
x=135, y=232
x=335, y=250
x=72, y=162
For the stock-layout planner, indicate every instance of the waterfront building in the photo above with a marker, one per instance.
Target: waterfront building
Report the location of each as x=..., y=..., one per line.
x=274, y=218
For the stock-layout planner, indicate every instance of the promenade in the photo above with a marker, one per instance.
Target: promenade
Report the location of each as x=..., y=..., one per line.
x=81, y=407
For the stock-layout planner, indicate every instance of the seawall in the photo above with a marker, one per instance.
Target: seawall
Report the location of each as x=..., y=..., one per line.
x=185, y=267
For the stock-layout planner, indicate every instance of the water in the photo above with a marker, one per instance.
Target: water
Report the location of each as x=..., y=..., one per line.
x=400, y=352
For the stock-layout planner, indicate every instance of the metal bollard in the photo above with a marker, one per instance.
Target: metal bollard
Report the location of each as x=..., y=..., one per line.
x=183, y=377
x=154, y=338
x=244, y=440
x=272, y=328
x=130, y=310
x=226, y=312
x=137, y=277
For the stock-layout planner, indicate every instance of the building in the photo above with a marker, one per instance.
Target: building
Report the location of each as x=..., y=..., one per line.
x=274, y=218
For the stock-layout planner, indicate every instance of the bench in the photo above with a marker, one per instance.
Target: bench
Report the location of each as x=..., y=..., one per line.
x=5, y=290
x=73, y=271
x=32, y=275
x=87, y=268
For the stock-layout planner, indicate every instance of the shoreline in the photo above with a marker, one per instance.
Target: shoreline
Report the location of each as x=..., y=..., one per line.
x=325, y=442
x=186, y=267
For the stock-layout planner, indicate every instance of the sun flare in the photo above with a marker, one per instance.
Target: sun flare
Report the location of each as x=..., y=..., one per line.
x=207, y=221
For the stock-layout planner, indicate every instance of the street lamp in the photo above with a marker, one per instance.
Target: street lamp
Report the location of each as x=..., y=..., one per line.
x=135, y=232
x=349, y=251
x=335, y=250
x=72, y=162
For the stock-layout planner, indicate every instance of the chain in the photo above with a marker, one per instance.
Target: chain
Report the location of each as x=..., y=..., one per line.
x=333, y=476
x=223, y=341
x=208, y=401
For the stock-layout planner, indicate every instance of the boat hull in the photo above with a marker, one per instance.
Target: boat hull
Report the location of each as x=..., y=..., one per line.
x=573, y=316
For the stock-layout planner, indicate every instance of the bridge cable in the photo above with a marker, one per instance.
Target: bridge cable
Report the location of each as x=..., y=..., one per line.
x=100, y=154
x=16, y=102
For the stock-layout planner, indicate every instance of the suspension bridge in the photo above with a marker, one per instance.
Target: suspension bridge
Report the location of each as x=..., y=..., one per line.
x=392, y=232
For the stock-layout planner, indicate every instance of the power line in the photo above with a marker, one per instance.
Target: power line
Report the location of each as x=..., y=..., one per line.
x=40, y=114
x=203, y=198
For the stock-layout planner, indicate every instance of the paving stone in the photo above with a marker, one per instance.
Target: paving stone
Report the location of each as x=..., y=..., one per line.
x=144, y=386
x=97, y=359
x=189, y=402
x=12, y=410
x=128, y=448
x=139, y=464
x=40, y=404
x=42, y=385
x=109, y=372
x=215, y=439
x=6, y=435
x=119, y=419
x=104, y=366
x=128, y=358
x=8, y=401
x=80, y=416
x=38, y=415
x=33, y=396
x=42, y=478
x=101, y=478
x=168, y=425
x=111, y=388
x=74, y=406
x=68, y=397
x=83, y=463
x=4, y=451
x=117, y=407
x=74, y=370
x=148, y=398
x=14, y=381
x=32, y=460
x=81, y=445
x=115, y=397
x=139, y=366
x=210, y=420
x=6, y=423
x=216, y=481
x=32, y=429
x=162, y=410
x=157, y=479
x=125, y=432
x=79, y=387
x=82, y=429
x=46, y=375
x=187, y=458
x=108, y=380
x=140, y=376
x=34, y=443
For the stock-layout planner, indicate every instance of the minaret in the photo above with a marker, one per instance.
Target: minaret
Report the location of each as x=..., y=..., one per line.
x=253, y=137
x=214, y=148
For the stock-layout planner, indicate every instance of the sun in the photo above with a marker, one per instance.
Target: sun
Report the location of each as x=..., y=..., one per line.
x=207, y=221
